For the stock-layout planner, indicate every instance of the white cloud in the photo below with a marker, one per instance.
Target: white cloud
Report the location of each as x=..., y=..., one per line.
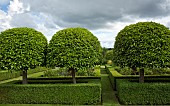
x=48, y=32
x=16, y=7
x=2, y=14
x=4, y=21
x=104, y=18
x=27, y=20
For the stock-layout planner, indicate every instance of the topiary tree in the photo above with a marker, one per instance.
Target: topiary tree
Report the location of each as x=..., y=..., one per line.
x=22, y=48
x=93, y=40
x=109, y=55
x=73, y=48
x=144, y=44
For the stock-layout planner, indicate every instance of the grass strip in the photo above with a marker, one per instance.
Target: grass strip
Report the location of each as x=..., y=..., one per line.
x=108, y=95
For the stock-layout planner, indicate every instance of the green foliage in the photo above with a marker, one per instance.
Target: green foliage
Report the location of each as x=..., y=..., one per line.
x=104, y=50
x=9, y=75
x=133, y=93
x=112, y=71
x=22, y=48
x=109, y=55
x=109, y=62
x=13, y=74
x=73, y=48
x=157, y=71
x=145, y=44
x=108, y=96
x=37, y=69
x=97, y=71
x=89, y=72
x=113, y=74
x=86, y=72
x=93, y=40
x=124, y=70
x=56, y=72
x=62, y=80
x=148, y=71
x=64, y=72
x=82, y=94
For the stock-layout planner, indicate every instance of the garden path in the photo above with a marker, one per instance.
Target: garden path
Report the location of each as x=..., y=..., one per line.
x=108, y=94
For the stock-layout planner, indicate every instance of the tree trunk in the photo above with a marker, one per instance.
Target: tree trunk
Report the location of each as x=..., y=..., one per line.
x=141, y=77
x=24, y=77
x=73, y=73
x=134, y=70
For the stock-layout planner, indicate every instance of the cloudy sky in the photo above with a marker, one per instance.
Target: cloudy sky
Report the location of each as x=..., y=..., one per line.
x=104, y=18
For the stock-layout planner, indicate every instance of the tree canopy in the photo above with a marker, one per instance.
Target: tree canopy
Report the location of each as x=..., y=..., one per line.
x=144, y=44
x=22, y=48
x=73, y=48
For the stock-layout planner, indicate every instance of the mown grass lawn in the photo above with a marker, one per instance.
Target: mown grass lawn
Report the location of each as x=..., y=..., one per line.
x=108, y=95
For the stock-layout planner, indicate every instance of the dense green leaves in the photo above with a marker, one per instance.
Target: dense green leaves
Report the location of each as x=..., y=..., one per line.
x=145, y=44
x=73, y=48
x=132, y=93
x=70, y=94
x=109, y=55
x=8, y=75
x=22, y=48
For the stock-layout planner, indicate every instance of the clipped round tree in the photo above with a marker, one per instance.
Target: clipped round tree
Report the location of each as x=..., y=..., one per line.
x=93, y=40
x=72, y=48
x=143, y=45
x=22, y=48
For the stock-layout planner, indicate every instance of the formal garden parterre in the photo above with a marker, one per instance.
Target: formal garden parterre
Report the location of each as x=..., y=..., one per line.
x=137, y=67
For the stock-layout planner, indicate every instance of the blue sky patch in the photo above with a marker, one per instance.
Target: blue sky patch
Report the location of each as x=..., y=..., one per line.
x=4, y=5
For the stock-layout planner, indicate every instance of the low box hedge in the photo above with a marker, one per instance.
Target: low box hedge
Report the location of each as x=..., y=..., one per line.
x=81, y=93
x=13, y=74
x=9, y=75
x=65, y=79
x=134, y=93
x=114, y=75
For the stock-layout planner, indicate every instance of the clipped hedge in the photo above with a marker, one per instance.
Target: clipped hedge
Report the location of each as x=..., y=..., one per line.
x=134, y=93
x=65, y=78
x=60, y=80
x=113, y=74
x=51, y=94
x=9, y=75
